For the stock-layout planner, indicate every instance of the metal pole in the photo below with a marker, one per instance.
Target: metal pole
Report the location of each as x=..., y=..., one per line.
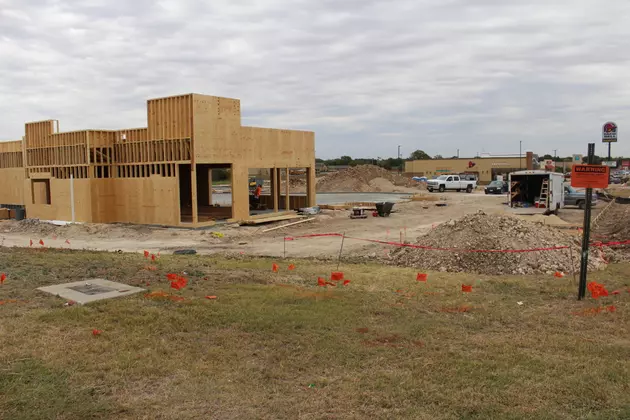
x=609, y=172
x=587, y=230
x=72, y=196
x=520, y=155
x=343, y=238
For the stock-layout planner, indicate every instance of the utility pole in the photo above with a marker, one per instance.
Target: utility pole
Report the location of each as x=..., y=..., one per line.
x=520, y=154
x=555, y=154
x=457, y=153
x=400, y=169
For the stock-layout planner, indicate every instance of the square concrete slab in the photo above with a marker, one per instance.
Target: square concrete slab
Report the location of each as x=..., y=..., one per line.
x=90, y=290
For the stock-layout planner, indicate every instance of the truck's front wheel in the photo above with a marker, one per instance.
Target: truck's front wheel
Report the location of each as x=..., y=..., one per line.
x=581, y=204
x=469, y=189
x=442, y=188
x=430, y=189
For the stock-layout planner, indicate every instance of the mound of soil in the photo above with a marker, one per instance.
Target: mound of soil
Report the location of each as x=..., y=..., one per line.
x=45, y=229
x=365, y=178
x=296, y=184
x=495, y=232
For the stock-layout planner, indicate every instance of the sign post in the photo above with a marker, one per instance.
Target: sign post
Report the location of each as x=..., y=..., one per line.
x=609, y=135
x=588, y=176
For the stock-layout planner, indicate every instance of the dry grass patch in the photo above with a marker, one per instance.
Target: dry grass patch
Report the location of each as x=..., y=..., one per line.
x=276, y=346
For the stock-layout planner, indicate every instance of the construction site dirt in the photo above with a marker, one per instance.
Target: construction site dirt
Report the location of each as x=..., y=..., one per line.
x=408, y=223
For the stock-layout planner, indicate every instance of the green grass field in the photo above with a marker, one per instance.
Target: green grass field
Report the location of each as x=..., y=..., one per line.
x=277, y=346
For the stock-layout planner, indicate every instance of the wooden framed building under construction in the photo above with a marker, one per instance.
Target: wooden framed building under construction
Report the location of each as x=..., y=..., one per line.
x=159, y=175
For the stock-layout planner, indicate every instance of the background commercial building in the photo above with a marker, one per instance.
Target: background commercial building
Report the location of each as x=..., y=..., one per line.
x=486, y=168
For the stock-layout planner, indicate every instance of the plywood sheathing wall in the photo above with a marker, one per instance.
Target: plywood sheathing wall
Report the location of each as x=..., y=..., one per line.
x=12, y=186
x=269, y=147
x=11, y=173
x=60, y=207
x=149, y=200
x=217, y=129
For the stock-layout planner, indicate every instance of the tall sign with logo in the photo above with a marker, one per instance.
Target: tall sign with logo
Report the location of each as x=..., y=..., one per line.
x=609, y=133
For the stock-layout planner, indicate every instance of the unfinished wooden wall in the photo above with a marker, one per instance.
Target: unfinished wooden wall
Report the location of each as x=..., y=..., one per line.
x=131, y=174
x=170, y=118
x=152, y=200
x=12, y=186
x=269, y=147
x=37, y=133
x=217, y=129
x=60, y=207
x=132, y=134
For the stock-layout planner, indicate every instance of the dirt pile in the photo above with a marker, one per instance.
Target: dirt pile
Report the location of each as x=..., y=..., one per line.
x=45, y=229
x=613, y=224
x=365, y=178
x=481, y=231
x=296, y=184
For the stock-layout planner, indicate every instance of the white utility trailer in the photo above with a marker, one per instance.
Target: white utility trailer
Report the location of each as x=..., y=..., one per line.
x=536, y=192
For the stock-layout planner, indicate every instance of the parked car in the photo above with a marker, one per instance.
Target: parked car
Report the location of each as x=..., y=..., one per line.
x=450, y=182
x=573, y=197
x=496, y=187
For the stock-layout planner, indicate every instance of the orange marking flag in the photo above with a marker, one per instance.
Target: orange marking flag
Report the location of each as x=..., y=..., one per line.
x=466, y=288
x=275, y=268
x=336, y=276
x=3, y=277
x=421, y=277
x=180, y=283
x=41, y=242
x=146, y=254
x=597, y=290
x=291, y=267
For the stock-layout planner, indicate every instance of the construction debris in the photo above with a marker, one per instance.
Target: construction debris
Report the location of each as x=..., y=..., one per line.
x=287, y=225
x=481, y=231
x=365, y=178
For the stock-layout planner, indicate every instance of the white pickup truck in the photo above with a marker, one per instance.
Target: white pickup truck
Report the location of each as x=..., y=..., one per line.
x=451, y=182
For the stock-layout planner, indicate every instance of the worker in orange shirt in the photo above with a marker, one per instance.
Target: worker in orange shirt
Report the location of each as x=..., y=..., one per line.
x=257, y=193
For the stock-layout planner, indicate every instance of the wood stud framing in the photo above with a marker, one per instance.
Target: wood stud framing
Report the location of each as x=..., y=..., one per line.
x=119, y=171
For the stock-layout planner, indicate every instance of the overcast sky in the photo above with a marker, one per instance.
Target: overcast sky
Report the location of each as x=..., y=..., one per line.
x=366, y=76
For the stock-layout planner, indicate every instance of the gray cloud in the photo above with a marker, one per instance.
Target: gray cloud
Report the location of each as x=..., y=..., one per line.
x=439, y=75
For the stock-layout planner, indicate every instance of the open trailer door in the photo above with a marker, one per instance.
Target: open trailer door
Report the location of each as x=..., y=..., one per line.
x=531, y=192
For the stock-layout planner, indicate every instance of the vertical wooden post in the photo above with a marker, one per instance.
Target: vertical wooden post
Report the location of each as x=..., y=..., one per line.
x=274, y=188
x=193, y=186
x=286, y=187
x=178, y=206
x=311, y=199
x=210, y=186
